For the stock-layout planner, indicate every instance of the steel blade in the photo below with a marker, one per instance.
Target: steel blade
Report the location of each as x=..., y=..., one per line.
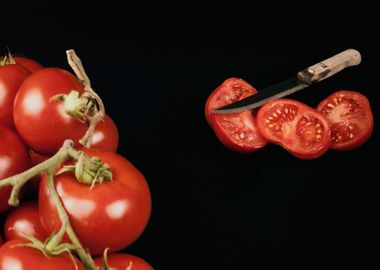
x=273, y=92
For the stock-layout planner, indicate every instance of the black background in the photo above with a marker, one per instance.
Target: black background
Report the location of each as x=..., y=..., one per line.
x=213, y=207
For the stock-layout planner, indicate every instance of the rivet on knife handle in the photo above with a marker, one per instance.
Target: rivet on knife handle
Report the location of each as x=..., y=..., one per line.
x=330, y=66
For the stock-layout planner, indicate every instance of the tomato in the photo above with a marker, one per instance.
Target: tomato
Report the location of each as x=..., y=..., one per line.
x=122, y=262
x=237, y=131
x=11, y=77
x=25, y=218
x=301, y=130
x=34, y=183
x=28, y=63
x=13, y=159
x=15, y=257
x=113, y=214
x=106, y=135
x=350, y=118
x=43, y=124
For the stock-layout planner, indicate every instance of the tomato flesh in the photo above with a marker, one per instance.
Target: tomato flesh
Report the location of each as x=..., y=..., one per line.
x=237, y=131
x=350, y=118
x=295, y=126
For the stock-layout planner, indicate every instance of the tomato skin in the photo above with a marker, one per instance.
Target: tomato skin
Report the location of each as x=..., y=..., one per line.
x=14, y=159
x=33, y=185
x=106, y=135
x=25, y=218
x=43, y=124
x=112, y=214
x=350, y=118
x=11, y=77
x=298, y=128
x=236, y=131
x=28, y=63
x=26, y=258
x=122, y=262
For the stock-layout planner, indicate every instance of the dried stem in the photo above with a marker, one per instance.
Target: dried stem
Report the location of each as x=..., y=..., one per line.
x=76, y=64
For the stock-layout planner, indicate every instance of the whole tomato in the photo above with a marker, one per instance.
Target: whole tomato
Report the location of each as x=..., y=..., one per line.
x=11, y=77
x=111, y=215
x=13, y=256
x=28, y=63
x=43, y=124
x=14, y=159
x=122, y=262
x=33, y=184
x=24, y=219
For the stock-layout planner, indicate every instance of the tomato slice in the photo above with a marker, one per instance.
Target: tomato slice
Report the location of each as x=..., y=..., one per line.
x=237, y=131
x=350, y=118
x=301, y=130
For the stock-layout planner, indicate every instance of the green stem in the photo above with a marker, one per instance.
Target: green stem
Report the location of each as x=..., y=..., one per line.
x=18, y=181
x=66, y=226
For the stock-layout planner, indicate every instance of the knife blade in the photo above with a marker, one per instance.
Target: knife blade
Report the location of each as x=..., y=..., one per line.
x=304, y=78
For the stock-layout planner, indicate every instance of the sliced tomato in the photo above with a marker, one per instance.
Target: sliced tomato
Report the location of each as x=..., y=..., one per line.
x=350, y=118
x=301, y=130
x=237, y=131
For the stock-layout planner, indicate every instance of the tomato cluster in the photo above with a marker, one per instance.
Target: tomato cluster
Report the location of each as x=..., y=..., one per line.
x=342, y=121
x=33, y=126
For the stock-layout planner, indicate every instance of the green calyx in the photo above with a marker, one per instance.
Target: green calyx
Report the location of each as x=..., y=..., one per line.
x=43, y=247
x=77, y=105
x=89, y=171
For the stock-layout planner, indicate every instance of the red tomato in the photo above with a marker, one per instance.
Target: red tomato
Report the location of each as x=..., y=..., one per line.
x=237, y=131
x=350, y=118
x=30, y=64
x=13, y=159
x=122, y=262
x=113, y=214
x=106, y=135
x=14, y=257
x=25, y=218
x=42, y=123
x=301, y=130
x=34, y=183
x=11, y=77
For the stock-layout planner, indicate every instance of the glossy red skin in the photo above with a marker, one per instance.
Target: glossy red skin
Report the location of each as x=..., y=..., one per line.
x=42, y=124
x=341, y=119
x=11, y=77
x=14, y=159
x=106, y=135
x=26, y=258
x=113, y=214
x=234, y=130
x=30, y=64
x=122, y=262
x=33, y=184
x=298, y=133
x=26, y=219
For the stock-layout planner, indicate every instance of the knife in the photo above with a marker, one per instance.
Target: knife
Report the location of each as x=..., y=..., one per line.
x=304, y=78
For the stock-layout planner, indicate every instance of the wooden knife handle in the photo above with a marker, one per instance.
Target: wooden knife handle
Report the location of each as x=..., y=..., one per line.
x=330, y=66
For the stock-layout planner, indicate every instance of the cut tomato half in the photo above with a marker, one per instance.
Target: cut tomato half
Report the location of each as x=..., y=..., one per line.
x=237, y=131
x=350, y=118
x=298, y=128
